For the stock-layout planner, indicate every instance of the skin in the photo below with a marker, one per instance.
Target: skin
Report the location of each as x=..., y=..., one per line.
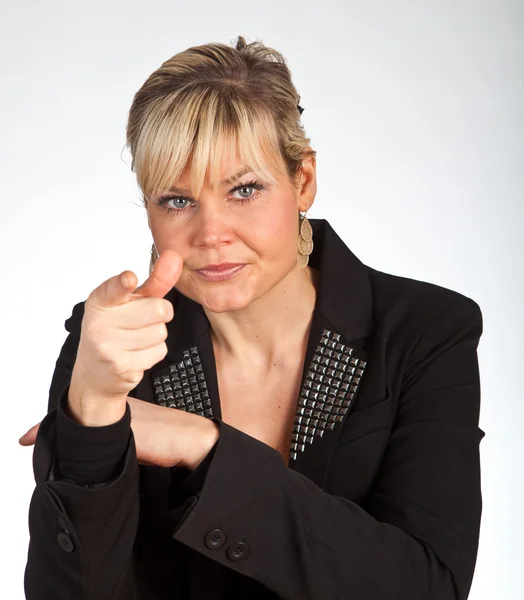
x=256, y=317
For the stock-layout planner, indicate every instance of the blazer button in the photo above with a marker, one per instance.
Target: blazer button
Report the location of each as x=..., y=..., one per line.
x=238, y=551
x=66, y=543
x=215, y=539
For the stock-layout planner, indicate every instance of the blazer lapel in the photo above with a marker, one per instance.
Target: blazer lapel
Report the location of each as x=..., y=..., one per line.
x=336, y=363
x=335, y=367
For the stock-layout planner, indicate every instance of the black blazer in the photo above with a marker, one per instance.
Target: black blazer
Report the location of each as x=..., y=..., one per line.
x=381, y=499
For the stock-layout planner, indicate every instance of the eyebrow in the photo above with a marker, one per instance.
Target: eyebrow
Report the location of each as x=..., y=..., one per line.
x=227, y=181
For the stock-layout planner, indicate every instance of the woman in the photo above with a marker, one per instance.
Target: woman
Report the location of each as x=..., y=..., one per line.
x=303, y=426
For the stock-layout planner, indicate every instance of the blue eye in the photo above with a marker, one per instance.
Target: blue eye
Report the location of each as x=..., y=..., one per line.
x=244, y=187
x=163, y=200
x=178, y=199
x=252, y=185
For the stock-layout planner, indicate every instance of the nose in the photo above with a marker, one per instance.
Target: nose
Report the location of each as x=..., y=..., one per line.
x=212, y=226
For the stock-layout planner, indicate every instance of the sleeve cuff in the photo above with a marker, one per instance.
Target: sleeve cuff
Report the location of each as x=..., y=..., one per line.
x=186, y=483
x=193, y=483
x=89, y=455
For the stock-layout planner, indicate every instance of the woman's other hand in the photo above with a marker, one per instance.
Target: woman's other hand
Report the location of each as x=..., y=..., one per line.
x=123, y=334
x=164, y=437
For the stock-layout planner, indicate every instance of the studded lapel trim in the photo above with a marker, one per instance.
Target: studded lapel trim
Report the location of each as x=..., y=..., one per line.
x=184, y=386
x=327, y=391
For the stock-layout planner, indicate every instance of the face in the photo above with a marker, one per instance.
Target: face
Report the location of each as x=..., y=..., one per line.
x=251, y=222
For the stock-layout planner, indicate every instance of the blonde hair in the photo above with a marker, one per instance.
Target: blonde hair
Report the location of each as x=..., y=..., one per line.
x=207, y=103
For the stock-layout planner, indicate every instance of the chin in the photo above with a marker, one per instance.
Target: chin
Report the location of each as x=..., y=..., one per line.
x=219, y=301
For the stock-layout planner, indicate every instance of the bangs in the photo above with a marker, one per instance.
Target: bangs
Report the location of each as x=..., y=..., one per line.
x=203, y=131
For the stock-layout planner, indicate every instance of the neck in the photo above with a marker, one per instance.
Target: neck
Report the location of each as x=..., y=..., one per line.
x=272, y=325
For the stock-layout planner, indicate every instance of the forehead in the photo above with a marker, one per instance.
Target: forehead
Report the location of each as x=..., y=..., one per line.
x=228, y=170
x=229, y=176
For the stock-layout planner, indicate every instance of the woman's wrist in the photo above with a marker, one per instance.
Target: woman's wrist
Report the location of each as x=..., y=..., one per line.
x=89, y=410
x=206, y=436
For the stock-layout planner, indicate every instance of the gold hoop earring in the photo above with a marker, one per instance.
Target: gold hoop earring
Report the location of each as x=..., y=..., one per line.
x=153, y=259
x=305, y=241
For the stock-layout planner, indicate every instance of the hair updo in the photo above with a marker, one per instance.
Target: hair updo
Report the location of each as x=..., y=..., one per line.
x=209, y=102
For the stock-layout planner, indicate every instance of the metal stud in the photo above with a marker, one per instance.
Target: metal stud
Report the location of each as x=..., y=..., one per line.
x=329, y=389
x=184, y=386
x=333, y=379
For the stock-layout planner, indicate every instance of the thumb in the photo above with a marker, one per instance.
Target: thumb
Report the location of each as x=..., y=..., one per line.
x=165, y=274
x=29, y=438
x=118, y=290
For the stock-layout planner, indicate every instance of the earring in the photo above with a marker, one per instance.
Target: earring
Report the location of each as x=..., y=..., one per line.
x=154, y=256
x=305, y=241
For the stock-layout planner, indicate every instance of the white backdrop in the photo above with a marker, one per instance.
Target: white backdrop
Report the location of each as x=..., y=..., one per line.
x=416, y=110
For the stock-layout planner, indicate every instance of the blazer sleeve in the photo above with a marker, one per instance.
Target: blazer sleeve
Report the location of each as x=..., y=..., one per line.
x=81, y=537
x=415, y=537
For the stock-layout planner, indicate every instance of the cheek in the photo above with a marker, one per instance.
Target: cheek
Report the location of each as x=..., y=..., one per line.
x=167, y=237
x=275, y=230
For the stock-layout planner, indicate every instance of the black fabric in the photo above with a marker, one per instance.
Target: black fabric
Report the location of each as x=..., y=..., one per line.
x=94, y=455
x=191, y=482
x=385, y=505
x=89, y=455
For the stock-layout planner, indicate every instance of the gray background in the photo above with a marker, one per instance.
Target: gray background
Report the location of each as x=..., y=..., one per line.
x=416, y=111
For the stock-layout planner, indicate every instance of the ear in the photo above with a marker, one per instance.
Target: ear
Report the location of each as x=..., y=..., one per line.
x=307, y=189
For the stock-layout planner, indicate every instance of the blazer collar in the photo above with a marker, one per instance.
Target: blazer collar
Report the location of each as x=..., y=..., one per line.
x=344, y=295
x=334, y=364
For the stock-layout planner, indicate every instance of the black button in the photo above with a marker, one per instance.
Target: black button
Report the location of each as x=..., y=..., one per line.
x=66, y=543
x=238, y=551
x=215, y=539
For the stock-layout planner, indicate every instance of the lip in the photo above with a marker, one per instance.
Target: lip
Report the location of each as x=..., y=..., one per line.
x=220, y=272
x=220, y=267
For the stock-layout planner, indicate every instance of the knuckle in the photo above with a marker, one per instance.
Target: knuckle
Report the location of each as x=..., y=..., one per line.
x=168, y=310
x=162, y=331
x=158, y=353
x=104, y=349
x=134, y=377
x=161, y=310
x=124, y=367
